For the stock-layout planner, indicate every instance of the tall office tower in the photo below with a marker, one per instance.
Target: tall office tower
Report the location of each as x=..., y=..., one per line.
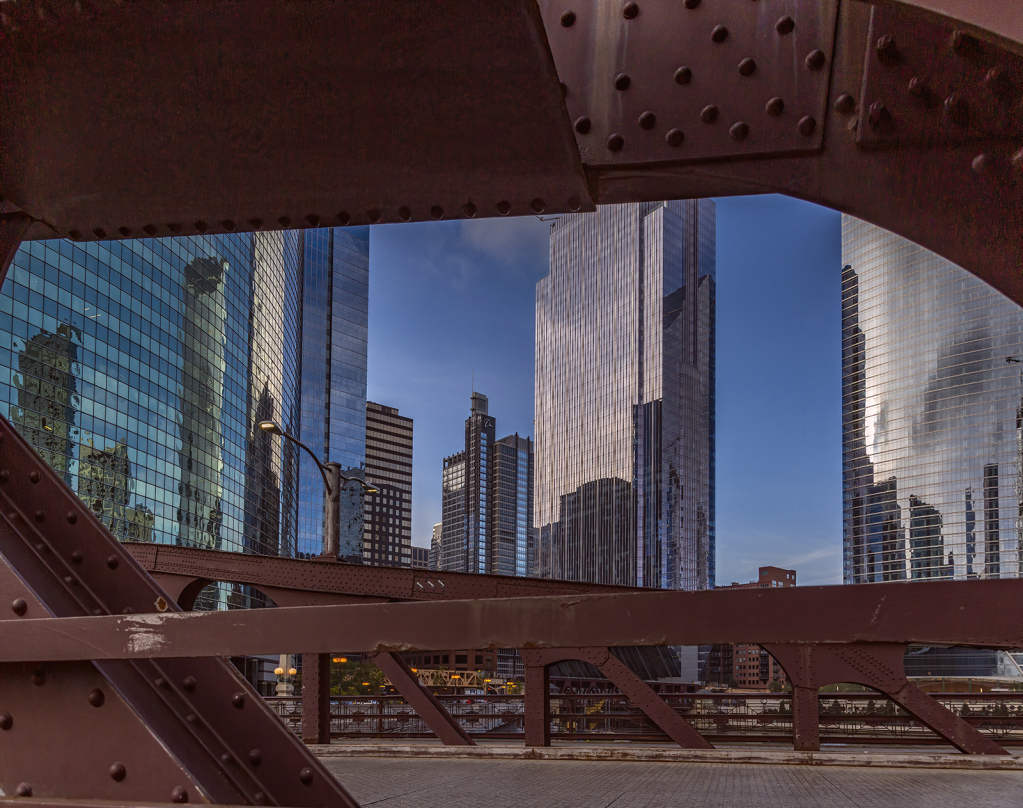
x=387, y=532
x=433, y=559
x=420, y=558
x=335, y=317
x=139, y=370
x=486, y=507
x=625, y=397
x=511, y=506
x=932, y=416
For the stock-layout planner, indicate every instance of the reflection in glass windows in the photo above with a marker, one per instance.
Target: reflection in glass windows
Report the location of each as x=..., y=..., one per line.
x=625, y=397
x=932, y=416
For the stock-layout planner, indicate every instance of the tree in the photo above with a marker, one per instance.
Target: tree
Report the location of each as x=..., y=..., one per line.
x=355, y=678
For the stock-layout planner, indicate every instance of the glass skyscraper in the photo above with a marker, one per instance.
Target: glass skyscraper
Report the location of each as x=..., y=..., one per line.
x=624, y=472
x=932, y=416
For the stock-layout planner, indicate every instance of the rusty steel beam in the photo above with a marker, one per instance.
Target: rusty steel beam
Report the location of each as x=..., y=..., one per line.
x=316, y=698
x=427, y=706
x=537, y=662
x=973, y=613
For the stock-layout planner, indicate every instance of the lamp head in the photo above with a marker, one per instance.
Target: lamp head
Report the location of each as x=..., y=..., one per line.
x=271, y=427
x=370, y=489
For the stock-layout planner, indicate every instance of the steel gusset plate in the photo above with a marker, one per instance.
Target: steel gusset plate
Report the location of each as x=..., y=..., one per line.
x=197, y=723
x=652, y=82
x=927, y=84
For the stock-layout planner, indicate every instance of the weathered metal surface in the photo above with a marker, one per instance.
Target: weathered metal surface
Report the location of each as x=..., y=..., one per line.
x=974, y=613
x=308, y=578
x=537, y=711
x=223, y=116
x=639, y=693
x=426, y=705
x=699, y=81
x=13, y=228
x=316, y=698
x=202, y=715
x=876, y=665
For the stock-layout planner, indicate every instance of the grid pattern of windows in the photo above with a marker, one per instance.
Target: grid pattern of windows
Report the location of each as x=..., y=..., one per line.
x=625, y=397
x=454, y=524
x=335, y=318
x=932, y=416
x=511, y=507
x=387, y=531
x=139, y=369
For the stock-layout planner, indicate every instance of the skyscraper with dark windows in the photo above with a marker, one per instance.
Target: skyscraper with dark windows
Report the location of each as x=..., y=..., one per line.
x=387, y=532
x=932, y=439
x=624, y=474
x=486, y=522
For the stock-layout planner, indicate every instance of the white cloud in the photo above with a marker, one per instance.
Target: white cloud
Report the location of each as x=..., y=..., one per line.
x=508, y=240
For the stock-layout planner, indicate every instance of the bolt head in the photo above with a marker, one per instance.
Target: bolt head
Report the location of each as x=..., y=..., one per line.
x=785, y=25
x=538, y=205
x=255, y=757
x=179, y=794
x=437, y=212
x=344, y=218
x=23, y=790
x=469, y=210
x=117, y=772
x=582, y=125
x=691, y=3
x=238, y=700
x=675, y=137
x=747, y=67
x=188, y=683
x=630, y=10
x=622, y=81
x=96, y=697
x=405, y=213
x=574, y=203
x=306, y=775
x=19, y=606
x=113, y=562
x=504, y=208
x=374, y=215
x=807, y=126
x=815, y=59
x=683, y=75
x=33, y=476
x=709, y=114
x=615, y=142
x=719, y=34
x=739, y=130
x=647, y=120
x=6, y=722
x=568, y=19
x=775, y=107
x=72, y=517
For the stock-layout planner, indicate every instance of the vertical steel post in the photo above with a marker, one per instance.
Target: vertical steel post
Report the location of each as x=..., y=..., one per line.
x=805, y=720
x=316, y=698
x=538, y=706
x=332, y=533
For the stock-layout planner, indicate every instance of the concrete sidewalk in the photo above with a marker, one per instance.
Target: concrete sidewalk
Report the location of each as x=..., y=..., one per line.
x=464, y=782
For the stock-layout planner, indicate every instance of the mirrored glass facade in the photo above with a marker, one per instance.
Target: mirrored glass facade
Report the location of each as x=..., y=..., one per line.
x=624, y=467
x=932, y=416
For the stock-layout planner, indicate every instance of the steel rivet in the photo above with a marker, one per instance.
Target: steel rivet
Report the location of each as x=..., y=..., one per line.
x=124, y=231
x=192, y=718
x=574, y=203
x=159, y=681
x=256, y=224
x=469, y=210
x=630, y=10
x=76, y=556
x=739, y=130
x=72, y=517
x=6, y=722
x=747, y=67
x=437, y=212
x=615, y=142
x=845, y=103
x=815, y=59
x=807, y=126
x=919, y=88
x=785, y=25
x=238, y=700
x=179, y=794
x=622, y=81
x=692, y=3
x=96, y=697
x=226, y=758
x=33, y=476
x=775, y=107
x=306, y=775
x=69, y=579
x=23, y=790
x=19, y=606
x=113, y=561
x=374, y=215
x=963, y=44
x=201, y=226
x=675, y=137
x=284, y=221
x=175, y=228
x=39, y=677
x=255, y=757
x=76, y=235
x=647, y=120
x=719, y=34
x=40, y=516
x=886, y=47
x=42, y=548
x=504, y=208
x=582, y=125
x=118, y=772
x=313, y=219
x=879, y=116
x=188, y=683
x=709, y=114
x=228, y=225
x=568, y=19
x=344, y=218
x=404, y=213
x=1017, y=162
x=957, y=110
x=259, y=798
x=997, y=82
x=982, y=163
x=683, y=75
x=99, y=232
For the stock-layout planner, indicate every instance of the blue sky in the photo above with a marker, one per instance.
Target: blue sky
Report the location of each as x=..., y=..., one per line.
x=454, y=301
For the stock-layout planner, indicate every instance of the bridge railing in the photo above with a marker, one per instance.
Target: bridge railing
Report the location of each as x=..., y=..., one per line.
x=866, y=718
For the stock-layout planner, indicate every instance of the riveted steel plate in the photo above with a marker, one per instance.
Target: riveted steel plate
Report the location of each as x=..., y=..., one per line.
x=674, y=83
x=153, y=118
x=927, y=84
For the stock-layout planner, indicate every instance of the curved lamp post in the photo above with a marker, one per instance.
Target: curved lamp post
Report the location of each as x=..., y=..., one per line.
x=334, y=481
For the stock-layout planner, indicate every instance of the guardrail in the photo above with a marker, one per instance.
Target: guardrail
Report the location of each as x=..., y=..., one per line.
x=862, y=718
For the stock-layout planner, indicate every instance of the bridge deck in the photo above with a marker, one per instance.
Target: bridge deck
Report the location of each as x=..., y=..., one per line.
x=456, y=782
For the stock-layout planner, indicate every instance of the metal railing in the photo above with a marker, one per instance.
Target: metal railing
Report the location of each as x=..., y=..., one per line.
x=758, y=717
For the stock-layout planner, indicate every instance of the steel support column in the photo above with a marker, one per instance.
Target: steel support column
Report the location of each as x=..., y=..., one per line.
x=316, y=698
x=537, y=717
x=419, y=697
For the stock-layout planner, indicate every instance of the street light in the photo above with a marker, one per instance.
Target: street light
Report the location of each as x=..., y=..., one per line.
x=334, y=481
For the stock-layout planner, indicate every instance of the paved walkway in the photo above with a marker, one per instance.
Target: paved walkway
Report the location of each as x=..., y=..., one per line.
x=468, y=783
